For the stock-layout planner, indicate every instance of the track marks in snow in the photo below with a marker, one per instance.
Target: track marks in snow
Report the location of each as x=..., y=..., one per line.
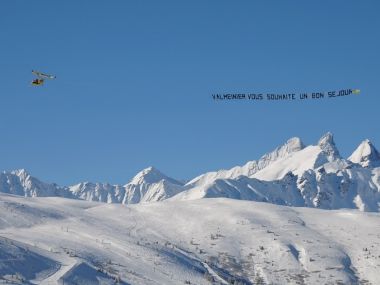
x=219, y=239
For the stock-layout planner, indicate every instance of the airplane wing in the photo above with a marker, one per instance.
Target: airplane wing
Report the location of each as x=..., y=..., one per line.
x=43, y=75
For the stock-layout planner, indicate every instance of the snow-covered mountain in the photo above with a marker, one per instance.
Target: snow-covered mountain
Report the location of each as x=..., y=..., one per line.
x=101, y=192
x=310, y=157
x=292, y=174
x=366, y=155
x=20, y=182
x=312, y=176
x=149, y=185
x=189, y=239
x=251, y=167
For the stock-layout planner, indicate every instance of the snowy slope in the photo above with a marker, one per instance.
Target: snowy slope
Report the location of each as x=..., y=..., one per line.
x=19, y=264
x=251, y=167
x=207, y=241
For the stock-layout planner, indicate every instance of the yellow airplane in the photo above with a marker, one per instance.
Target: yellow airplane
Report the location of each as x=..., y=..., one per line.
x=41, y=78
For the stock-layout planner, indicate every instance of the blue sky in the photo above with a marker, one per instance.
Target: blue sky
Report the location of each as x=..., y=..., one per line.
x=135, y=78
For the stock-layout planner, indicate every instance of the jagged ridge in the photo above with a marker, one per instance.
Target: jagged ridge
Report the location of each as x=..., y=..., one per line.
x=292, y=174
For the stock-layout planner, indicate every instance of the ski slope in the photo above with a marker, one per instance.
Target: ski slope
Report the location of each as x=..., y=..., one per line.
x=205, y=241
